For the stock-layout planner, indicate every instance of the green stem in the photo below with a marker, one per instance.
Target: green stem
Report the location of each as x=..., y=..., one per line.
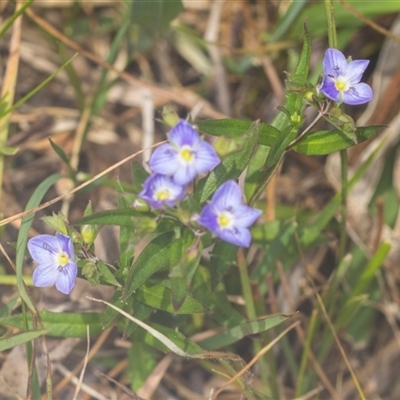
x=343, y=209
x=330, y=19
x=267, y=367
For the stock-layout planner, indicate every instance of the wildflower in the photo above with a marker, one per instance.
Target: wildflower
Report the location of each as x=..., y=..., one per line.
x=159, y=191
x=185, y=156
x=56, y=258
x=227, y=217
x=341, y=81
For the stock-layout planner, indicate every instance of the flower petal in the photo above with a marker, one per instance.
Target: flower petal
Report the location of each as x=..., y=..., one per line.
x=359, y=93
x=184, y=174
x=355, y=70
x=43, y=248
x=206, y=157
x=329, y=90
x=45, y=275
x=183, y=134
x=227, y=197
x=245, y=216
x=164, y=160
x=66, y=245
x=334, y=63
x=66, y=278
x=208, y=218
x=237, y=236
x=155, y=183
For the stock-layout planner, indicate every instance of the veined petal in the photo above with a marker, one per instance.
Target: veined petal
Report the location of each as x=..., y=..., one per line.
x=237, y=236
x=245, y=216
x=164, y=160
x=66, y=245
x=334, y=63
x=183, y=134
x=45, y=275
x=359, y=93
x=184, y=174
x=66, y=278
x=43, y=249
x=355, y=70
x=206, y=157
x=329, y=90
x=208, y=218
x=157, y=184
x=227, y=197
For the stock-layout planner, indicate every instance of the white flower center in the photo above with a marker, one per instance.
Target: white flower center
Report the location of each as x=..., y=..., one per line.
x=162, y=194
x=341, y=84
x=186, y=155
x=225, y=220
x=63, y=259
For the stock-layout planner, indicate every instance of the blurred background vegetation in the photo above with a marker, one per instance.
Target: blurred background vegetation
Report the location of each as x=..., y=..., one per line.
x=210, y=59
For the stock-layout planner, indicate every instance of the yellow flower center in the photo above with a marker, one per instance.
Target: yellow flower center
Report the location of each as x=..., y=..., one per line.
x=186, y=155
x=63, y=259
x=224, y=220
x=341, y=85
x=162, y=195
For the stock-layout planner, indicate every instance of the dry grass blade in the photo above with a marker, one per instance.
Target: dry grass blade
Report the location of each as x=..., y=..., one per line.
x=183, y=97
x=85, y=361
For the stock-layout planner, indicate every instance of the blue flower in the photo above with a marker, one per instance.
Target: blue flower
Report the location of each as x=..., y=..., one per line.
x=56, y=258
x=227, y=217
x=185, y=156
x=341, y=81
x=159, y=191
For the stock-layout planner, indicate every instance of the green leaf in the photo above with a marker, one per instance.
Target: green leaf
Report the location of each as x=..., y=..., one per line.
x=280, y=144
x=19, y=338
x=327, y=142
x=159, y=297
x=61, y=324
x=119, y=217
x=238, y=332
x=230, y=168
x=107, y=276
x=142, y=359
x=155, y=256
x=61, y=153
x=236, y=128
x=223, y=257
x=294, y=101
x=276, y=249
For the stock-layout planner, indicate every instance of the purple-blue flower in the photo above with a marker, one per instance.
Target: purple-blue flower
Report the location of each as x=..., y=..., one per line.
x=227, y=217
x=341, y=81
x=185, y=156
x=160, y=190
x=56, y=258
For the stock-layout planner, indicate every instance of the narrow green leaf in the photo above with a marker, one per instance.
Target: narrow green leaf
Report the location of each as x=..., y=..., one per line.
x=61, y=324
x=119, y=217
x=61, y=153
x=280, y=144
x=327, y=142
x=154, y=257
x=159, y=297
x=230, y=168
x=236, y=128
x=19, y=338
x=223, y=257
x=107, y=275
x=236, y=333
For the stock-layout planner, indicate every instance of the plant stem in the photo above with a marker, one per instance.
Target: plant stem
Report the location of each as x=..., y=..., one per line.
x=267, y=369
